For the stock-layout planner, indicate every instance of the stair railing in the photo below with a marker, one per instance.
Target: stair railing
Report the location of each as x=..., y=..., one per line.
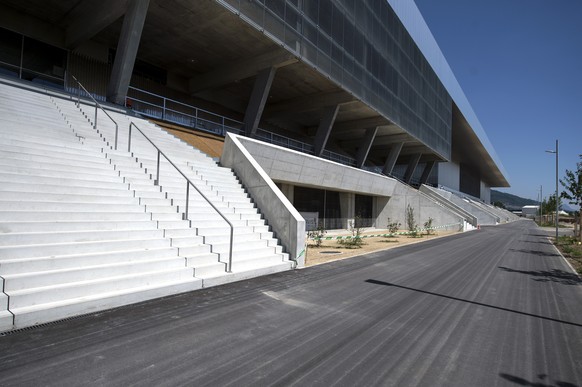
x=188, y=184
x=97, y=105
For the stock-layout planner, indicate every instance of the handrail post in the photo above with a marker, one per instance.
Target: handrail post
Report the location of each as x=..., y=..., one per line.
x=157, y=181
x=164, y=110
x=185, y=215
x=95, y=126
x=116, y=134
x=129, y=138
x=78, y=93
x=229, y=268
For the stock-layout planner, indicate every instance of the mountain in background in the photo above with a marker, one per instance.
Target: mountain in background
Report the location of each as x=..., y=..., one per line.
x=511, y=202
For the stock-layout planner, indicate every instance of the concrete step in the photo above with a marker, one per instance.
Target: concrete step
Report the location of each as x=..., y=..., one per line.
x=67, y=291
x=68, y=216
x=51, y=164
x=187, y=241
x=208, y=269
x=45, y=206
x=62, y=249
x=31, y=280
x=56, y=226
x=39, y=264
x=80, y=152
x=72, y=174
x=67, y=198
x=41, y=155
x=46, y=312
x=37, y=238
x=260, y=259
x=41, y=180
x=33, y=187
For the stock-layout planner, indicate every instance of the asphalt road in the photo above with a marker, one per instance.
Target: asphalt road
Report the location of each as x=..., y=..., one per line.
x=493, y=307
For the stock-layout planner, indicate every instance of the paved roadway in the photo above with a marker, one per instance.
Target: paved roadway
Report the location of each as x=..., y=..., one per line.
x=494, y=307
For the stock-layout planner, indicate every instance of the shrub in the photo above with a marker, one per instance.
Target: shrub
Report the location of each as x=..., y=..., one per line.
x=355, y=242
x=411, y=222
x=428, y=226
x=317, y=235
x=393, y=227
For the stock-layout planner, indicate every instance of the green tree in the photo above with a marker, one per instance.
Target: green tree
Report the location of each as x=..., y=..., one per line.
x=549, y=205
x=573, y=189
x=499, y=204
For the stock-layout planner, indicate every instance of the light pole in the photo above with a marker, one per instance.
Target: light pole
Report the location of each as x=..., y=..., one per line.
x=541, y=204
x=557, y=193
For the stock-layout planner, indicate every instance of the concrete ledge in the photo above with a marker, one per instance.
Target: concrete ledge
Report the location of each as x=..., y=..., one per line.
x=287, y=223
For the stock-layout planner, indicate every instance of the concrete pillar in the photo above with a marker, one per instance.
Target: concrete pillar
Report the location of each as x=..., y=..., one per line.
x=324, y=130
x=365, y=146
x=258, y=100
x=426, y=172
x=392, y=157
x=414, y=159
x=127, y=46
x=347, y=208
x=289, y=191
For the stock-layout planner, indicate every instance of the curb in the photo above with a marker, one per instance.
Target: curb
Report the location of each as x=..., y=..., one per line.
x=420, y=230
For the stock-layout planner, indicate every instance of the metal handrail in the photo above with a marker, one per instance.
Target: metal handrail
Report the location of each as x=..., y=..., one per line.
x=97, y=104
x=188, y=183
x=263, y=134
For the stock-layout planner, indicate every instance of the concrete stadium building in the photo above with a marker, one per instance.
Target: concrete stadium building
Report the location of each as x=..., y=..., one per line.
x=326, y=109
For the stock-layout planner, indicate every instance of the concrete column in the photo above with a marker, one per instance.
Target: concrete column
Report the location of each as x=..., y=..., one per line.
x=414, y=159
x=392, y=157
x=258, y=100
x=347, y=208
x=289, y=191
x=365, y=146
x=127, y=46
x=324, y=130
x=426, y=172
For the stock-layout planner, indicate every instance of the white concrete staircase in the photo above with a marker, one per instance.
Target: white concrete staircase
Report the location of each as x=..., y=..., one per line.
x=83, y=227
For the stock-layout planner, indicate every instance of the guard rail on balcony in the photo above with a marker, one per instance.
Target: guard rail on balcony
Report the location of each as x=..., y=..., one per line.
x=157, y=106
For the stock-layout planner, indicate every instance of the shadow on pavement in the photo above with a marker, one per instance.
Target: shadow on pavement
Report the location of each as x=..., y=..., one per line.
x=542, y=383
x=554, y=275
x=535, y=252
x=376, y=282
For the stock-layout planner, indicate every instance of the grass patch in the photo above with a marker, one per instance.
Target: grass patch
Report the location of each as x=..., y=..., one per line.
x=571, y=248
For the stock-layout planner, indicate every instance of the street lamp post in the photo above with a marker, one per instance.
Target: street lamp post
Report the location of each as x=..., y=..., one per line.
x=541, y=204
x=557, y=192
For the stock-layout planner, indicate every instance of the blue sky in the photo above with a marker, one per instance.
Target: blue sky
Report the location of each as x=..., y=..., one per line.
x=519, y=63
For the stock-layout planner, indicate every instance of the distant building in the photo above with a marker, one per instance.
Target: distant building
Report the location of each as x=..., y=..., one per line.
x=529, y=211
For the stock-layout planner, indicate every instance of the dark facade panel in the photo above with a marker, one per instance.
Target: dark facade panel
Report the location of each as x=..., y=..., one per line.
x=364, y=47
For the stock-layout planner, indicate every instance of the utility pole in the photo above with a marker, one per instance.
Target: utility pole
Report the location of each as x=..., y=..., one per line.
x=557, y=190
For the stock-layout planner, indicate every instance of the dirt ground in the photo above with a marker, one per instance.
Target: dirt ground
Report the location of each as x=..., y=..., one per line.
x=331, y=250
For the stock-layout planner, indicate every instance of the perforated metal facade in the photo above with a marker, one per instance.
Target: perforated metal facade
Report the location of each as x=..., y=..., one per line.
x=364, y=48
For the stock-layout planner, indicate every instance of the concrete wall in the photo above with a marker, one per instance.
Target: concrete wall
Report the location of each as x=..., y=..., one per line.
x=424, y=208
x=483, y=216
x=485, y=192
x=392, y=197
x=450, y=175
x=283, y=218
x=287, y=166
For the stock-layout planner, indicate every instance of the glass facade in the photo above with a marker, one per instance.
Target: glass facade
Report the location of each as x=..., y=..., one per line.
x=30, y=59
x=362, y=46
